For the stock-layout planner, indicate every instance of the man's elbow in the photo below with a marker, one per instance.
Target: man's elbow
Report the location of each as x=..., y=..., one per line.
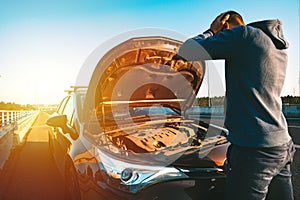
x=191, y=50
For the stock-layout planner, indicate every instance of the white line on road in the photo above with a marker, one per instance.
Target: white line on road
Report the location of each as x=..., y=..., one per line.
x=294, y=126
x=297, y=146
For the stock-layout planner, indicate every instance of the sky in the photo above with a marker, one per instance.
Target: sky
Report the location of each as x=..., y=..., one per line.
x=43, y=44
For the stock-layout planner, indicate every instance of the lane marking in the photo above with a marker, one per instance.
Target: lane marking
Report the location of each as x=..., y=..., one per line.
x=294, y=126
x=297, y=146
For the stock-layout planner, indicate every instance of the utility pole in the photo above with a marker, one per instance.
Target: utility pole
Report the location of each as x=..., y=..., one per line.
x=208, y=85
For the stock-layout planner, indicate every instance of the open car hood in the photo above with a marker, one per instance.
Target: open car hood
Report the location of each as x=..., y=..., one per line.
x=140, y=74
x=141, y=71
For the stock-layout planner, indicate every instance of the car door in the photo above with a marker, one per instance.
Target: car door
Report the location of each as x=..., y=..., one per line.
x=59, y=142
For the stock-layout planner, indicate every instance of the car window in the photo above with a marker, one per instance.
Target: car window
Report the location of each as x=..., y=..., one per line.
x=62, y=105
x=69, y=110
x=152, y=110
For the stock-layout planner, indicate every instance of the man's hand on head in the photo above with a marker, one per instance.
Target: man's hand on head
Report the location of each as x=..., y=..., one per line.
x=219, y=23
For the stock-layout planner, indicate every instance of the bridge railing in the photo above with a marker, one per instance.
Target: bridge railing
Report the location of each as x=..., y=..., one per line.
x=14, y=124
x=10, y=117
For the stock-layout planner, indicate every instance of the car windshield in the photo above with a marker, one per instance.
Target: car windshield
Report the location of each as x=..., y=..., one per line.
x=143, y=111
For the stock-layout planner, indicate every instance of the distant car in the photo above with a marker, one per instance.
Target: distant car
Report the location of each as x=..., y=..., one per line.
x=127, y=135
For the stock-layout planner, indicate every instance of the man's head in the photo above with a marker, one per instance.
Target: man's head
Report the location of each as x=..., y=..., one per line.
x=226, y=20
x=234, y=19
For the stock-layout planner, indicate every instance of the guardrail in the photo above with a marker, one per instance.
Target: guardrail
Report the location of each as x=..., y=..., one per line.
x=14, y=124
x=10, y=117
x=289, y=110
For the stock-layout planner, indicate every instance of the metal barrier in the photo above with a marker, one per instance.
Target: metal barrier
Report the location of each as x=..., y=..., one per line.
x=10, y=117
x=10, y=121
x=289, y=110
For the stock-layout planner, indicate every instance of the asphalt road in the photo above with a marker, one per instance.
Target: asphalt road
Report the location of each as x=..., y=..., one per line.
x=294, y=129
x=29, y=172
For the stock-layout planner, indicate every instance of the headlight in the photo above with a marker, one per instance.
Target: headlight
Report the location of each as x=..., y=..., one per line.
x=128, y=175
x=135, y=177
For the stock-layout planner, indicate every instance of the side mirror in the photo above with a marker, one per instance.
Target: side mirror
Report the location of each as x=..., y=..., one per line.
x=62, y=122
x=57, y=121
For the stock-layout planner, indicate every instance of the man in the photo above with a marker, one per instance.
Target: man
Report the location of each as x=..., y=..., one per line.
x=261, y=149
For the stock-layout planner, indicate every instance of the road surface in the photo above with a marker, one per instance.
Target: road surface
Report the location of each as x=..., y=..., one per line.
x=294, y=129
x=30, y=172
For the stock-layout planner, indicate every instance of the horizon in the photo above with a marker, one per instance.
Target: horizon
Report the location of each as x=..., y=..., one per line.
x=51, y=104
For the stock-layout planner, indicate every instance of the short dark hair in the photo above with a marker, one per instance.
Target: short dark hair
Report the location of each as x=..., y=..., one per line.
x=235, y=18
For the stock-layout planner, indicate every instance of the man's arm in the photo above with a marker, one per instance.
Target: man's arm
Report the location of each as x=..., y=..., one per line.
x=211, y=44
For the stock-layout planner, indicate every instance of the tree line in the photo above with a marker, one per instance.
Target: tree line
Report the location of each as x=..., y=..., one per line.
x=14, y=106
x=291, y=100
x=218, y=101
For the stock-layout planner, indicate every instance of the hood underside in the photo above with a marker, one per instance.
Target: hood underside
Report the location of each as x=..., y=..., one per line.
x=141, y=70
x=135, y=99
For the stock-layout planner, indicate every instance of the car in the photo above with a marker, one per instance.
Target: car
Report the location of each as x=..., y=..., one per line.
x=128, y=135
